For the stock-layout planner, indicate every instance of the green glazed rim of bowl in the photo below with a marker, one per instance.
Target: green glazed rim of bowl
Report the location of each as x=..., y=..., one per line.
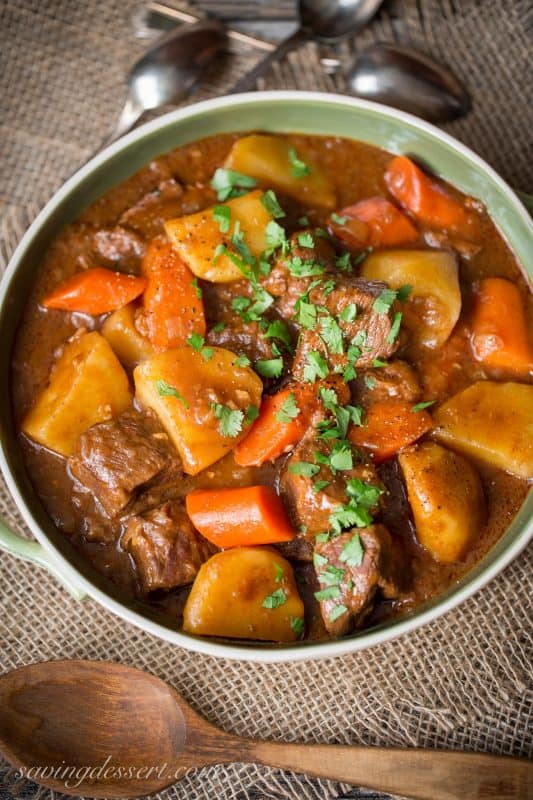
x=276, y=111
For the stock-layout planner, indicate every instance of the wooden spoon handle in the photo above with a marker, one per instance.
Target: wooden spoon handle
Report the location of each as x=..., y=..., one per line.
x=417, y=774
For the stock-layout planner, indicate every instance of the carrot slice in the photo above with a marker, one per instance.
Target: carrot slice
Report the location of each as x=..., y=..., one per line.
x=499, y=327
x=95, y=291
x=269, y=437
x=388, y=426
x=172, y=306
x=384, y=224
x=423, y=197
x=233, y=517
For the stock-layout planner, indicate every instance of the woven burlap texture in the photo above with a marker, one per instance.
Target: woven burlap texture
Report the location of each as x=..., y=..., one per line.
x=461, y=682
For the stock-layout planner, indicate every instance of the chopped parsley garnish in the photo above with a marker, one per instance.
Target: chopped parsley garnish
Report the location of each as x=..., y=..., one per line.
x=306, y=312
x=297, y=625
x=377, y=362
x=370, y=382
x=270, y=202
x=303, y=221
x=275, y=236
x=321, y=538
x=222, y=215
x=329, y=398
x=298, y=168
x=306, y=240
x=197, y=289
x=347, y=516
x=331, y=334
x=304, y=268
x=279, y=573
x=331, y=593
x=336, y=612
x=404, y=292
x=252, y=412
x=229, y=183
x=276, y=599
x=279, y=330
x=304, y=468
x=395, y=328
x=356, y=414
x=230, y=419
x=242, y=361
x=319, y=486
x=348, y=313
x=383, y=303
x=341, y=457
x=361, y=257
x=337, y=219
x=352, y=553
x=269, y=368
x=207, y=353
x=344, y=262
x=421, y=406
x=364, y=494
x=319, y=560
x=289, y=409
x=195, y=341
x=164, y=389
x=218, y=327
x=331, y=576
x=316, y=367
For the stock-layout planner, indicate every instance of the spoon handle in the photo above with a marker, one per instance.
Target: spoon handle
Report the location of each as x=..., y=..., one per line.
x=414, y=773
x=247, y=82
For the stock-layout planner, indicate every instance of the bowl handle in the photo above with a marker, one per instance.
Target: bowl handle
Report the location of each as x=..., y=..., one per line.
x=32, y=551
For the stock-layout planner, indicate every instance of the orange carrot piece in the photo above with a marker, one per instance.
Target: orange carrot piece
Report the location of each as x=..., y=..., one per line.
x=238, y=517
x=388, y=426
x=95, y=291
x=269, y=438
x=385, y=224
x=423, y=197
x=172, y=308
x=499, y=335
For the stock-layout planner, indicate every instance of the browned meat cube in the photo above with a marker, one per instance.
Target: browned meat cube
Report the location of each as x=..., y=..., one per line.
x=243, y=338
x=350, y=568
x=395, y=380
x=119, y=247
x=114, y=459
x=310, y=510
x=366, y=330
x=167, y=550
x=169, y=200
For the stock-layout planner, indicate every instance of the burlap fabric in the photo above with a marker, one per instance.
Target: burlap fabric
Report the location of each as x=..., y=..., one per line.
x=462, y=682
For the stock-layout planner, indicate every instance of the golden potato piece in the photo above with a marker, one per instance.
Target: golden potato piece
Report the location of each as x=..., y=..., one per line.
x=202, y=403
x=245, y=593
x=128, y=344
x=87, y=385
x=434, y=304
x=268, y=158
x=197, y=236
x=493, y=422
x=446, y=498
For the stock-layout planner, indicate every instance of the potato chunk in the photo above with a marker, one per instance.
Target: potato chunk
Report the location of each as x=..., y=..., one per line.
x=268, y=158
x=197, y=236
x=128, y=344
x=434, y=304
x=446, y=498
x=87, y=385
x=493, y=422
x=246, y=593
x=202, y=402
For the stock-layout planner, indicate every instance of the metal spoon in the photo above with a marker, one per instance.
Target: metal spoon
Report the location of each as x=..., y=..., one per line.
x=407, y=79
x=326, y=20
x=98, y=729
x=169, y=71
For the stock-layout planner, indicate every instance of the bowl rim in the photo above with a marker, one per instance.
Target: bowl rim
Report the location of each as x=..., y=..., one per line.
x=297, y=651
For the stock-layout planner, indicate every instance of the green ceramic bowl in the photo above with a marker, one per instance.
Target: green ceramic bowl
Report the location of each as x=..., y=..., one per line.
x=306, y=112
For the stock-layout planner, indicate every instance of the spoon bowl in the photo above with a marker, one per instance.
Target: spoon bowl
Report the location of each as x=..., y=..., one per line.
x=99, y=729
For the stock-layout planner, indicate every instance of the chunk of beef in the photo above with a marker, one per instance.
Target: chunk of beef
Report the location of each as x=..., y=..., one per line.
x=167, y=550
x=242, y=337
x=119, y=247
x=395, y=380
x=283, y=282
x=368, y=331
x=351, y=568
x=115, y=459
x=170, y=199
x=309, y=510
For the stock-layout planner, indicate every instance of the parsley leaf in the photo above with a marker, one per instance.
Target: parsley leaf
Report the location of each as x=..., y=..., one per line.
x=304, y=268
x=298, y=168
x=421, y=406
x=352, y=553
x=383, y=302
x=348, y=313
x=321, y=538
x=377, y=362
x=370, y=382
x=222, y=215
x=319, y=486
x=164, y=389
x=305, y=239
x=364, y=494
x=252, y=412
x=195, y=341
x=279, y=330
x=404, y=292
x=341, y=457
x=395, y=328
x=344, y=262
x=230, y=419
x=331, y=576
x=242, y=361
x=279, y=573
x=207, y=353
x=218, y=327
x=276, y=599
x=316, y=367
x=275, y=236
x=331, y=334
x=270, y=202
x=304, y=468
x=336, y=612
x=329, y=398
x=229, y=183
x=337, y=219
x=297, y=625
x=289, y=410
x=197, y=289
x=269, y=368
x=303, y=221
x=331, y=593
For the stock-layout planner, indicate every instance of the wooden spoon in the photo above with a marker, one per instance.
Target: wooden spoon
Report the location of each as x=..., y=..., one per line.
x=105, y=730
